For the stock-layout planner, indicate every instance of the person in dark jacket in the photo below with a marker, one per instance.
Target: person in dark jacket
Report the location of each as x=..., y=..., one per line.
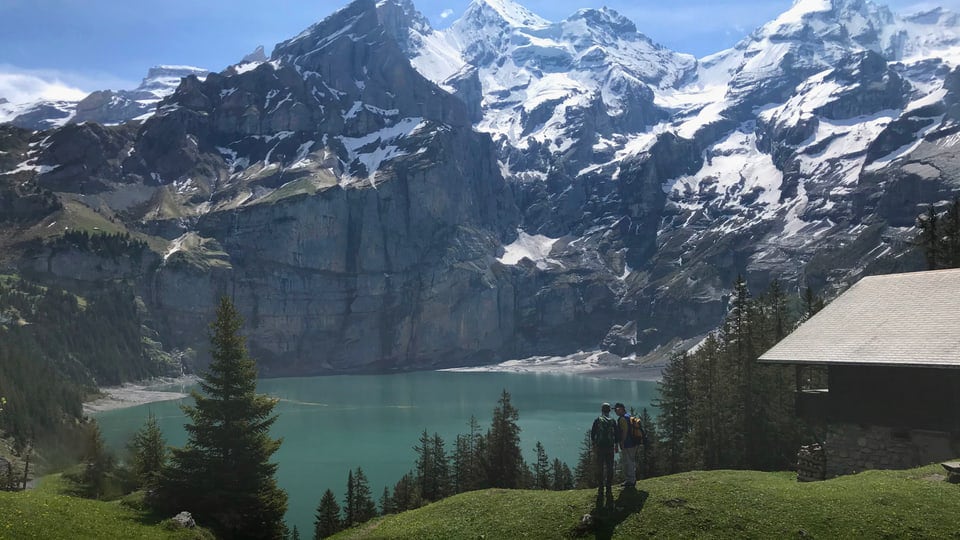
x=604, y=436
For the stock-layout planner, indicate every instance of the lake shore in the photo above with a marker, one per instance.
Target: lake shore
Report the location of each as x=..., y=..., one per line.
x=597, y=364
x=140, y=393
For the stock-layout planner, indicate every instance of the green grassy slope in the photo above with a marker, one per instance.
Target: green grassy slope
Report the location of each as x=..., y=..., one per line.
x=917, y=503
x=45, y=513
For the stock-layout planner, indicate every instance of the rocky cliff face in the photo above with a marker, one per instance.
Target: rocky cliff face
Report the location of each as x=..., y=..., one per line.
x=381, y=195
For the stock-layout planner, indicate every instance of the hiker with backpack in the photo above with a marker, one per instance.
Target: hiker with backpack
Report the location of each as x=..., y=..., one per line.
x=631, y=437
x=604, y=436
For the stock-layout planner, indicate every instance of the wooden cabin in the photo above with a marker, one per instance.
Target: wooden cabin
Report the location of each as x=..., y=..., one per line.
x=890, y=346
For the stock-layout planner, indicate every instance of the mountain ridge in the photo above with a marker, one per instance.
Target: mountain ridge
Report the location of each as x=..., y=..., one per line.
x=386, y=167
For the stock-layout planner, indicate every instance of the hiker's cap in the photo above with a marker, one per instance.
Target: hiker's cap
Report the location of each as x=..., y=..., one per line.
x=620, y=406
x=605, y=407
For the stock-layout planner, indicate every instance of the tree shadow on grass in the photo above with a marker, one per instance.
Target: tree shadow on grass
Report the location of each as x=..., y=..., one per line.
x=607, y=514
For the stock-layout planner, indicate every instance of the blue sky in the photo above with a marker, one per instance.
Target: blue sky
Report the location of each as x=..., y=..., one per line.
x=69, y=47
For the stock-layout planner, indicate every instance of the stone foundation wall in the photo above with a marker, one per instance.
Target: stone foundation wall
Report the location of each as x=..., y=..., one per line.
x=853, y=448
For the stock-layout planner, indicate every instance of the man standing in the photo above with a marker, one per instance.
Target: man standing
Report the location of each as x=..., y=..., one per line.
x=628, y=446
x=604, y=437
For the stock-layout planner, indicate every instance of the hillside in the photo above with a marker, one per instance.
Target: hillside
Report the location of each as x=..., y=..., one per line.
x=916, y=503
x=46, y=512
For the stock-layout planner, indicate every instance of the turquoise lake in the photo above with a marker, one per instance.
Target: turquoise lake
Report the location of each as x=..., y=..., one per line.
x=331, y=425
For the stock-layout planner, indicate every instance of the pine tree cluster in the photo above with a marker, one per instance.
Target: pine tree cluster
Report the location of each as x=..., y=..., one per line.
x=720, y=408
x=939, y=236
x=479, y=460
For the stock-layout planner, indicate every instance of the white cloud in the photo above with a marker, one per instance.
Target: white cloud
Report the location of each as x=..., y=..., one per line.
x=21, y=86
x=446, y=13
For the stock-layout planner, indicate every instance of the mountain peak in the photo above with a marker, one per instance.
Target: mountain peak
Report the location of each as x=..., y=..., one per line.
x=403, y=22
x=801, y=9
x=258, y=55
x=605, y=19
x=508, y=11
x=162, y=80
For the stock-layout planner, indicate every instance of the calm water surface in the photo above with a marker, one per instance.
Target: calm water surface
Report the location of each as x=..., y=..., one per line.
x=331, y=425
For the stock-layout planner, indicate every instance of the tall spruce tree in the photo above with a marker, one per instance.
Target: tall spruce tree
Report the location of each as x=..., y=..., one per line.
x=929, y=237
x=468, y=458
x=350, y=502
x=709, y=412
x=365, y=509
x=149, y=453
x=585, y=472
x=327, y=519
x=433, y=468
x=541, y=468
x=674, y=403
x=951, y=235
x=442, y=466
x=406, y=494
x=562, y=477
x=224, y=475
x=386, y=502
x=811, y=303
x=649, y=460
x=505, y=466
x=98, y=464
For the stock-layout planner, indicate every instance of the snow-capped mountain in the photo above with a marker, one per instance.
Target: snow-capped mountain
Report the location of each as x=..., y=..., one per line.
x=399, y=196
x=102, y=106
x=761, y=157
x=545, y=89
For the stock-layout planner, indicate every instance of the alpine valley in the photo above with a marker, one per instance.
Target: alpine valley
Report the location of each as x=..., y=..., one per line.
x=379, y=195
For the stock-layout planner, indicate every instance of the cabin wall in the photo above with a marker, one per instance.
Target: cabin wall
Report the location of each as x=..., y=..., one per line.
x=895, y=397
x=886, y=417
x=852, y=448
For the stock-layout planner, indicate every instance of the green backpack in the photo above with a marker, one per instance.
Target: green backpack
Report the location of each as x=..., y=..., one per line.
x=605, y=434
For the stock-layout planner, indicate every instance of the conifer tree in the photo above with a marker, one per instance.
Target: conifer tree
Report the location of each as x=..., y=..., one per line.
x=295, y=534
x=505, y=466
x=433, y=470
x=674, y=403
x=585, y=473
x=811, y=303
x=709, y=414
x=951, y=235
x=442, y=466
x=350, y=502
x=224, y=475
x=98, y=464
x=468, y=469
x=541, y=468
x=649, y=459
x=327, y=519
x=406, y=495
x=929, y=237
x=386, y=503
x=365, y=509
x=426, y=468
x=562, y=476
x=149, y=452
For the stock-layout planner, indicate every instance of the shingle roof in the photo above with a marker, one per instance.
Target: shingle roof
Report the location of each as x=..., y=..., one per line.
x=898, y=319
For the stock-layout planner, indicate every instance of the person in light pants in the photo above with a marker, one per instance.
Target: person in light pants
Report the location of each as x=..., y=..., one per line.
x=628, y=447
